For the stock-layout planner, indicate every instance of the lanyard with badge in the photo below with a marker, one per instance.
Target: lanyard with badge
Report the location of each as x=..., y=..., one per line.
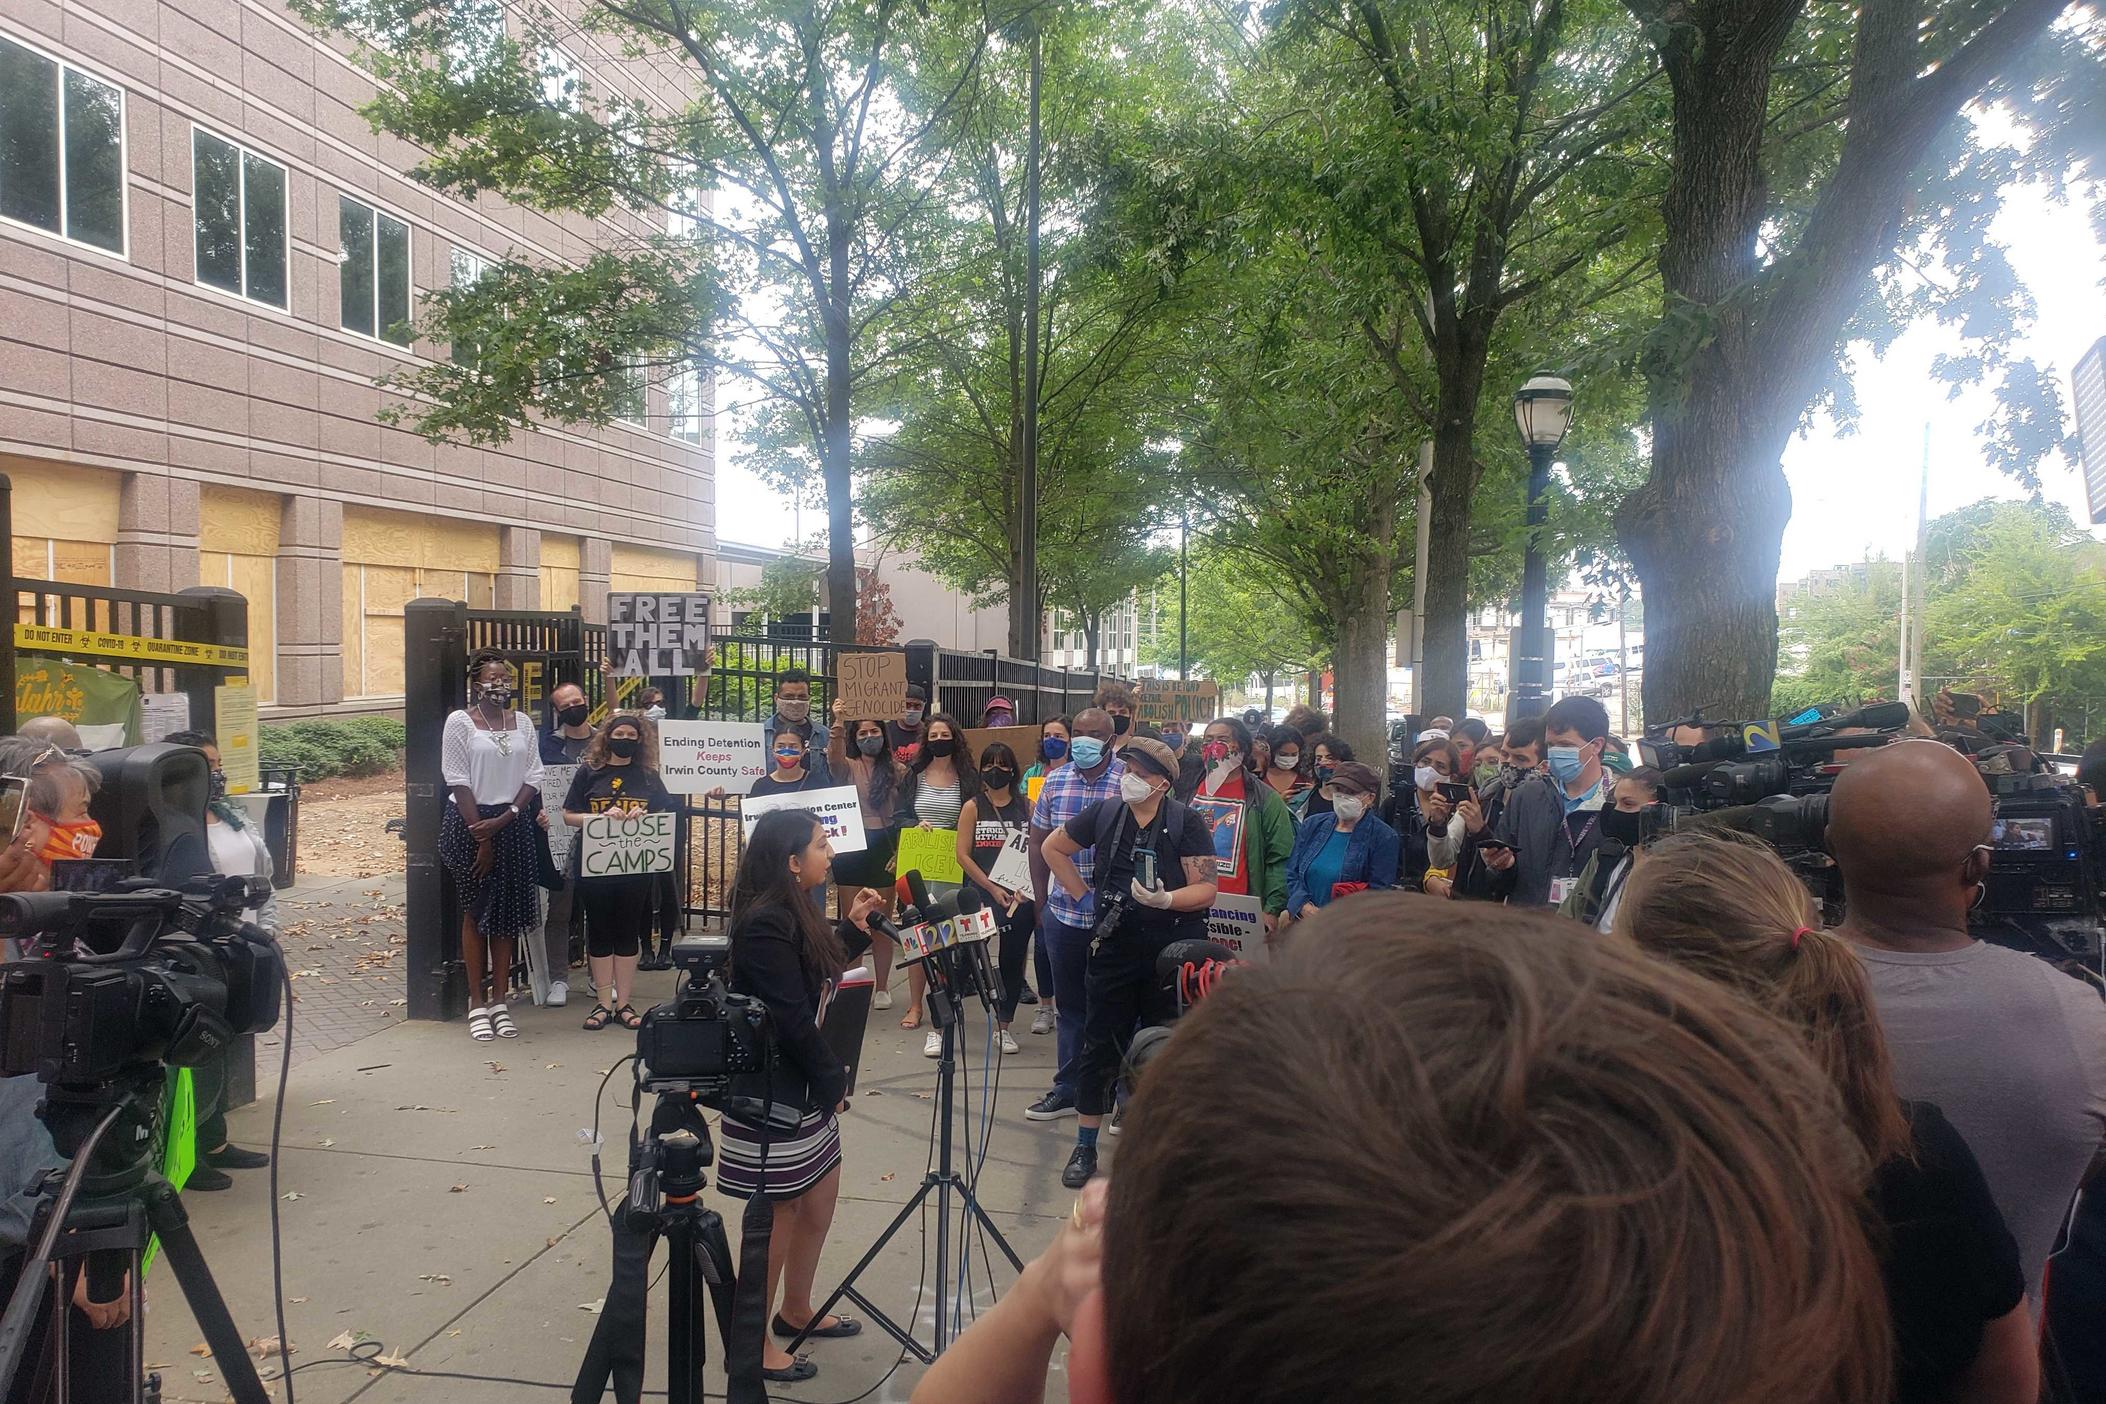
x=1561, y=887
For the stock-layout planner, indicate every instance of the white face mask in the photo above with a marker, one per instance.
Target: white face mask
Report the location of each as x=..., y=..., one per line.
x=1426, y=777
x=1349, y=807
x=655, y=713
x=1134, y=789
x=1219, y=772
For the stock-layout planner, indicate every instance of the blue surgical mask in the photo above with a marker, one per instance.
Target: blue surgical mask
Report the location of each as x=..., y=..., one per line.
x=1086, y=752
x=1565, y=764
x=1053, y=748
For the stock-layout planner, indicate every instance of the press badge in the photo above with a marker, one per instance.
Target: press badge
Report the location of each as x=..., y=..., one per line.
x=1560, y=888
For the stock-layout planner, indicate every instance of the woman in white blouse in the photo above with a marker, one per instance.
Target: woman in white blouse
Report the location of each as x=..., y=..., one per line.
x=492, y=763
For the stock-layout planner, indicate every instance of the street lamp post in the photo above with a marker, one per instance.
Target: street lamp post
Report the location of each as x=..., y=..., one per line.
x=1542, y=412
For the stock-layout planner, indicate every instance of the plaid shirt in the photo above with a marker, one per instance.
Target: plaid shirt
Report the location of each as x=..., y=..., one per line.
x=1065, y=795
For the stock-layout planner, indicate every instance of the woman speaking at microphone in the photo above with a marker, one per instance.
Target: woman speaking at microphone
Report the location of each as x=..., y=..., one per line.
x=1155, y=876
x=784, y=954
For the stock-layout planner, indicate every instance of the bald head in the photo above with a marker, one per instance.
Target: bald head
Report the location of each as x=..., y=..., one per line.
x=52, y=731
x=1904, y=823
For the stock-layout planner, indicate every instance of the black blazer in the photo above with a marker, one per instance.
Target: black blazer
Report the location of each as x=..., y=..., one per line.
x=765, y=963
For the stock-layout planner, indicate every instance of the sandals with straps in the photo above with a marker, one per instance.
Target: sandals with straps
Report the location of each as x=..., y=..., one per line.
x=598, y=1018
x=479, y=1027
x=630, y=1019
x=501, y=1020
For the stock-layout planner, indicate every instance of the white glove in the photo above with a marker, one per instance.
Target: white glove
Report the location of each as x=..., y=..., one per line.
x=1156, y=897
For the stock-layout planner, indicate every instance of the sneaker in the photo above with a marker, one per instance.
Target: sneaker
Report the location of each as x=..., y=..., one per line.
x=932, y=1046
x=204, y=1177
x=1029, y=996
x=1045, y=1021
x=1081, y=1168
x=1111, y=1127
x=1008, y=1042
x=881, y=1000
x=558, y=993
x=233, y=1157
x=1051, y=1107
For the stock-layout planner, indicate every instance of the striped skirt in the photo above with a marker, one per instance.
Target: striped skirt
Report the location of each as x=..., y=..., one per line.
x=797, y=1160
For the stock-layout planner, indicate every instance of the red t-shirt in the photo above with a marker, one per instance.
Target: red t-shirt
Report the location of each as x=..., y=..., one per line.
x=1226, y=810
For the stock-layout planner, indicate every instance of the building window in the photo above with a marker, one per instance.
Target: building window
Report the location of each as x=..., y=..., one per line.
x=561, y=79
x=683, y=215
x=239, y=200
x=373, y=272
x=467, y=268
x=629, y=400
x=61, y=149
x=683, y=404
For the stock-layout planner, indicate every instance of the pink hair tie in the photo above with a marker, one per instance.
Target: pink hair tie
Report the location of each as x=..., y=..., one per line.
x=1797, y=935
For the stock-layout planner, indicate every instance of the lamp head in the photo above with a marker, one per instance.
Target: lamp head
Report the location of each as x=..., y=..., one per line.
x=1543, y=411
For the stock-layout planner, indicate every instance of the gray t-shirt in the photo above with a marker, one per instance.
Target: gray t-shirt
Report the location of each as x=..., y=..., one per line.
x=2014, y=1053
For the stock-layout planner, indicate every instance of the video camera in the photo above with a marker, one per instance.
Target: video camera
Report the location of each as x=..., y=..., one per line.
x=143, y=975
x=1748, y=762
x=703, y=1037
x=2046, y=879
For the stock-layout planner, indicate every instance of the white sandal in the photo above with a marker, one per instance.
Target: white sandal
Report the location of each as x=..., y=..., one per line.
x=479, y=1026
x=501, y=1020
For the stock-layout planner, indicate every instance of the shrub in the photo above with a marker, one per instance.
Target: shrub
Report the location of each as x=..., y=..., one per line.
x=322, y=749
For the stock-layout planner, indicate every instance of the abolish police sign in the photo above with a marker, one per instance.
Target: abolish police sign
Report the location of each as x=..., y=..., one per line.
x=657, y=636
x=626, y=845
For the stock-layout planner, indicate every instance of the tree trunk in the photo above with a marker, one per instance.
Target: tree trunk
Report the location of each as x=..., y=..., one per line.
x=1361, y=668
x=1445, y=690
x=1090, y=630
x=839, y=471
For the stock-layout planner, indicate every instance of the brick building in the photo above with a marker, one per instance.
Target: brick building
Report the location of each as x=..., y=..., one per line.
x=206, y=255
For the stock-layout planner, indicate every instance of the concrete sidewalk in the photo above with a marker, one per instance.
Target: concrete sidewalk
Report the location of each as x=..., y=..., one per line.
x=437, y=1196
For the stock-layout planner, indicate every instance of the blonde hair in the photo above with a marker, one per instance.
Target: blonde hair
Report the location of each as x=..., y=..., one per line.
x=1726, y=906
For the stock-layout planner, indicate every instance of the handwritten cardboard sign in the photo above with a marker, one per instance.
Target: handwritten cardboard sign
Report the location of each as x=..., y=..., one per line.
x=1158, y=700
x=626, y=845
x=838, y=808
x=555, y=788
x=695, y=757
x=654, y=635
x=1012, y=866
x=872, y=686
x=931, y=852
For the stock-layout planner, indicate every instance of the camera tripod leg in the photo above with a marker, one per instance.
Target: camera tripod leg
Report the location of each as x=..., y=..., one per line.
x=684, y=1343
x=165, y=1213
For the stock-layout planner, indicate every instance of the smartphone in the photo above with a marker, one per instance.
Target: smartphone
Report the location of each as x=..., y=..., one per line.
x=1144, y=868
x=14, y=793
x=1454, y=792
x=1495, y=843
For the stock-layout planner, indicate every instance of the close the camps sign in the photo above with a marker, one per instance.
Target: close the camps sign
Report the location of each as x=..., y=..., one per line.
x=626, y=845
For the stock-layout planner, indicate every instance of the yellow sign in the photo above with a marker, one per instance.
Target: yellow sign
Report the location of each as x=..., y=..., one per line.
x=931, y=852
x=234, y=722
x=39, y=638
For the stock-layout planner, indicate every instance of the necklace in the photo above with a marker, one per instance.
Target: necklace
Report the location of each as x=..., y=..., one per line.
x=501, y=739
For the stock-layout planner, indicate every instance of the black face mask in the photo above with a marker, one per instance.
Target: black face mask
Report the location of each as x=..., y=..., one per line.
x=941, y=747
x=574, y=716
x=1121, y=725
x=1626, y=826
x=624, y=746
x=996, y=778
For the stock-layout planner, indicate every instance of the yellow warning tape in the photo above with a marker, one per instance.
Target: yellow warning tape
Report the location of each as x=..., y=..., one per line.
x=43, y=639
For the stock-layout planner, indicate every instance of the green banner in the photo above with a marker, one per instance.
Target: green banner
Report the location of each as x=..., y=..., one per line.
x=85, y=696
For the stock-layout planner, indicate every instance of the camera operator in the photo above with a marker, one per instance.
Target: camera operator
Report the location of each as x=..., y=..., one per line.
x=238, y=850
x=1671, y=1212
x=1594, y=898
x=1551, y=827
x=784, y=954
x=2010, y=1048
x=1154, y=878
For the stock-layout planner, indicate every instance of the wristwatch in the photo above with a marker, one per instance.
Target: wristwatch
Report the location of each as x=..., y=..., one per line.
x=513, y=810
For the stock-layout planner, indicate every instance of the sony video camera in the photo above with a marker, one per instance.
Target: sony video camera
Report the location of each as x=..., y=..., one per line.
x=2045, y=878
x=114, y=981
x=1749, y=762
x=705, y=1035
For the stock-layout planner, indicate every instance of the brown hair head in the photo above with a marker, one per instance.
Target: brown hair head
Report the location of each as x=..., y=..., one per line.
x=1726, y=906
x=596, y=751
x=1504, y=1160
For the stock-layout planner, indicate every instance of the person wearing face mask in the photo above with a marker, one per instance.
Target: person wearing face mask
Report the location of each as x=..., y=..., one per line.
x=790, y=756
x=862, y=751
x=1153, y=879
x=939, y=782
x=237, y=850
x=987, y=823
x=1469, y=736
x=1348, y=847
x=793, y=711
x=619, y=775
x=1595, y=898
x=1287, y=770
x=903, y=736
x=1053, y=737
x=650, y=704
x=1486, y=765
x=999, y=711
x=1326, y=753
x=490, y=756
x=1548, y=830
x=1253, y=830
x=1429, y=829
x=1115, y=699
x=563, y=742
x=1066, y=929
x=58, y=797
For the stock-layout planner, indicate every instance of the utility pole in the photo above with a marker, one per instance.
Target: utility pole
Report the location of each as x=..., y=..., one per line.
x=1023, y=631
x=1623, y=666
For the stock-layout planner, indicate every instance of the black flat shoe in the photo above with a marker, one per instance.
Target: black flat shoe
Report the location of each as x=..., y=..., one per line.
x=204, y=1177
x=1081, y=1168
x=232, y=1157
x=843, y=1326
x=798, y=1373
x=1028, y=996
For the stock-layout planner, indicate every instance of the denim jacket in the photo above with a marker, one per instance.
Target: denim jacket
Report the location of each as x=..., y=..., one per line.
x=1371, y=856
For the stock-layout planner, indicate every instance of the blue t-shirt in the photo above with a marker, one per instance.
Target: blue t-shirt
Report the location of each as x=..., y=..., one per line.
x=1326, y=866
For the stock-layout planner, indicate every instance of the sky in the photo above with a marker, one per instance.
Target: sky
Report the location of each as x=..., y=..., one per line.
x=1853, y=496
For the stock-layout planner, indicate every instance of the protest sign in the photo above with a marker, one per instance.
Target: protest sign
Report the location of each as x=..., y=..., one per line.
x=1157, y=700
x=1012, y=867
x=1239, y=924
x=837, y=808
x=652, y=635
x=695, y=757
x=234, y=709
x=555, y=788
x=931, y=852
x=1225, y=822
x=625, y=845
x=872, y=686
x=1021, y=739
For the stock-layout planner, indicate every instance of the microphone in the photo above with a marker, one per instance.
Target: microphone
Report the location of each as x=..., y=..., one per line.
x=1684, y=777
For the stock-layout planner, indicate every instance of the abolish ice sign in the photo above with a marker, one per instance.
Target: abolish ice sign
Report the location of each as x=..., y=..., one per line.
x=657, y=636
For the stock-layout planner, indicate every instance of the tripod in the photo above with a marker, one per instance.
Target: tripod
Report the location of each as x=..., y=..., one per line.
x=665, y=1200
x=946, y=981
x=98, y=1219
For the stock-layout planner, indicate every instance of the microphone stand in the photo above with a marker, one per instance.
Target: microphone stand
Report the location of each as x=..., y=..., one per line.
x=945, y=967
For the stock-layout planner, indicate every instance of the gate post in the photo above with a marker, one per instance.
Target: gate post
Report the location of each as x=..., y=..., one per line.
x=226, y=623
x=921, y=669
x=434, y=641
x=14, y=606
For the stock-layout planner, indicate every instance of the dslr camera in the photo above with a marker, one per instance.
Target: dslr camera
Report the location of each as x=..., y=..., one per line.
x=705, y=1036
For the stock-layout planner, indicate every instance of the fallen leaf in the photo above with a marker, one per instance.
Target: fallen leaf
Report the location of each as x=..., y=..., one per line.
x=458, y=1189
x=268, y=1345
x=201, y=1376
x=438, y=1278
x=392, y=1362
x=325, y=1102
x=477, y=1148
x=297, y=1301
x=552, y=1242
x=325, y=1142
x=495, y=1067
x=292, y=1194
x=344, y=1342
x=593, y=1307
x=202, y=1349
x=550, y=1200
x=888, y=1177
